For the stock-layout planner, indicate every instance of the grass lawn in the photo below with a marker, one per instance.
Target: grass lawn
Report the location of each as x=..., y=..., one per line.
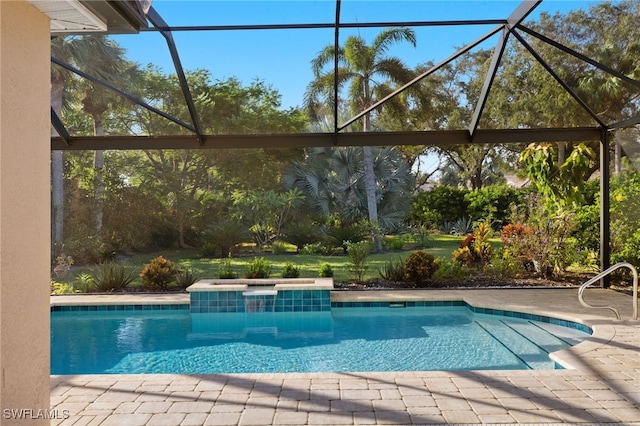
x=441, y=246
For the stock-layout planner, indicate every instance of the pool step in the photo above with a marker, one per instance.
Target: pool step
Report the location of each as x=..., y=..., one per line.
x=527, y=341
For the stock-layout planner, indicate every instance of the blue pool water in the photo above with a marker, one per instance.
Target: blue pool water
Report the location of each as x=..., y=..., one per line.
x=344, y=339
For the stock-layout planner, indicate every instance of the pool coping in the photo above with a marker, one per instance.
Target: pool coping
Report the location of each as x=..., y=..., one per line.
x=600, y=385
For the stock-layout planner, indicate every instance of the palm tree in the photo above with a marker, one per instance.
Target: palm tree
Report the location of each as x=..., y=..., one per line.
x=101, y=57
x=608, y=93
x=342, y=190
x=367, y=69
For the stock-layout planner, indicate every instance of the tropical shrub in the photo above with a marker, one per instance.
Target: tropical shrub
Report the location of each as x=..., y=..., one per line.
x=315, y=248
x=587, y=231
x=442, y=204
x=492, y=204
x=419, y=267
x=358, y=254
x=225, y=270
x=158, y=274
x=109, y=277
x=540, y=239
x=506, y=266
x=450, y=270
x=475, y=249
x=326, y=271
x=259, y=268
x=625, y=218
x=393, y=242
x=290, y=270
x=278, y=247
x=87, y=250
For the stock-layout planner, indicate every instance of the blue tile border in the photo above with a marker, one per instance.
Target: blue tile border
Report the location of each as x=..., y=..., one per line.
x=283, y=301
x=113, y=308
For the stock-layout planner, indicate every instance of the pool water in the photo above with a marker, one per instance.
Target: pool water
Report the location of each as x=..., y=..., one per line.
x=345, y=339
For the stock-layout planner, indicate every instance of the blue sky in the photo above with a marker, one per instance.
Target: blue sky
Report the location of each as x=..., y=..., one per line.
x=282, y=57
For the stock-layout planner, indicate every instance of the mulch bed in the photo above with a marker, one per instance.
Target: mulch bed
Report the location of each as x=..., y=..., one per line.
x=477, y=281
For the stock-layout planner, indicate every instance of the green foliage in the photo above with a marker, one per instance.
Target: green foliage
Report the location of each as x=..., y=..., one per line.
x=625, y=218
x=326, y=271
x=587, y=231
x=419, y=267
x=421, y=236
x=209, y=250
x=460, y=227
x=62, y=288
x=393, y=242
x=562, y=186
x=279, y=247
x=393, y=270
x=492, y=204
x=164, y=237
x=450, y=270
x=441, y=204
x=505, y=266
x=158, y=274
x=358, y=254
x=338, y=236
x=224, y=235
x=540, y=240
x=110, y=277
x=301, y=234
x=290, y=270
x=265, y=212
x=225, y=270
x=87, y=250
x=258, y=268
x=186, y=277
x=63, y=264
x=83, y=283
x=315, y=248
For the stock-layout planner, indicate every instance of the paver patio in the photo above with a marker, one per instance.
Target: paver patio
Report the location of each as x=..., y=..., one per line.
x=601, y=384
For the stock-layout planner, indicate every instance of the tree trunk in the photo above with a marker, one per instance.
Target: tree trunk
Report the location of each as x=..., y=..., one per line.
x=370, y=187
x=562, y=153
x=617, y=157
x=98, y=181
x=57, y=173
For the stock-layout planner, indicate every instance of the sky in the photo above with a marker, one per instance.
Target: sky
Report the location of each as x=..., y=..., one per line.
x=281, y=58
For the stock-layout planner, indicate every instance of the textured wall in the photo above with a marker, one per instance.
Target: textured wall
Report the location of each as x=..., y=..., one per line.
x=24, y=213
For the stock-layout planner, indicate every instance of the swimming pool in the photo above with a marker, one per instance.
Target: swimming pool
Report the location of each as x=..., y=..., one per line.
x=356, y=338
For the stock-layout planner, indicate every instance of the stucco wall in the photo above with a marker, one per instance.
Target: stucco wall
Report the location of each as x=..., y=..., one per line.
x=24, y=212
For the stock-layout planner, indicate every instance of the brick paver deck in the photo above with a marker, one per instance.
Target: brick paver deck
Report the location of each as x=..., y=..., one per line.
x=601, y=385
